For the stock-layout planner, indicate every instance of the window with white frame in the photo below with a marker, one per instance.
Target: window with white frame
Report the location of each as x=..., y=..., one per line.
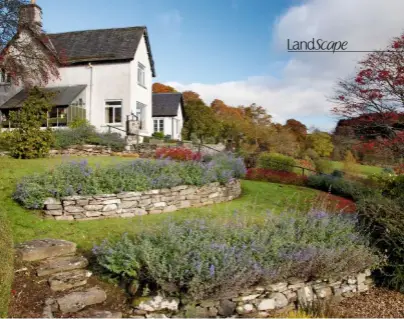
x=141, y=114
x=141, y=74
x=113, y=112
x=158, y=125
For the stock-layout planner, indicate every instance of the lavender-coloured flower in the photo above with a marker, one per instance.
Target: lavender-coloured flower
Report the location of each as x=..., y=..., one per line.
x=212, y=270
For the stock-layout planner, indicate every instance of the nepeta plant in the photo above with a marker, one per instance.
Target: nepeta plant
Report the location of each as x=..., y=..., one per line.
x=206, y=260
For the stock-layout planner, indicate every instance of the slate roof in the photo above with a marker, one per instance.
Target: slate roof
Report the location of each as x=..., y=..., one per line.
x=102, y=45
x=166, y=104
x=64, y=96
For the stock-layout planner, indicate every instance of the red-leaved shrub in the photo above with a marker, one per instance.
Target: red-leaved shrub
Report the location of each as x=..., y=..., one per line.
x=399, y=169
x=268, y=175
x=178, y=154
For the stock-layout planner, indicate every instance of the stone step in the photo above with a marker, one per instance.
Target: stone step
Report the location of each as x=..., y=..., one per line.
x=70, y=279
x=61, y=264
x=44, y=248
x=78, y=300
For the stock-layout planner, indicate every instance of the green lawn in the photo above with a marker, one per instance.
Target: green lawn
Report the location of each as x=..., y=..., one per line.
x=256, y=199
x=362, y=169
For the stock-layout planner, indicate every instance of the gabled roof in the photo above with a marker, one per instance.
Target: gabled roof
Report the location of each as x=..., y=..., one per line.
x=166, y=104
x=101, y=45
x=64, y=96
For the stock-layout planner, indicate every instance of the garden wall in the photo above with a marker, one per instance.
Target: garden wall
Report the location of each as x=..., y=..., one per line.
x=146, y=150
x=130, y=204
x=260, y=301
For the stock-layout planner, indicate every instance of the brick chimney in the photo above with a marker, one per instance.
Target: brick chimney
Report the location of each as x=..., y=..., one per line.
x=31, y=16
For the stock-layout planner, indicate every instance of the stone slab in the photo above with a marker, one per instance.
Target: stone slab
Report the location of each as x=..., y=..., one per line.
x=78, y=300
x=61, y=264
x=39, y=249
x=70, y=279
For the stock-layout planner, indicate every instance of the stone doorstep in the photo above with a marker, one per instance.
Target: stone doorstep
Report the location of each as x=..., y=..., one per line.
x=44, y=248
x=70, y=279
x=61, y=264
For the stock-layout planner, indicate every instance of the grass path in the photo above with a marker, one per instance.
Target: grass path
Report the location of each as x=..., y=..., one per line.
x=256, y=199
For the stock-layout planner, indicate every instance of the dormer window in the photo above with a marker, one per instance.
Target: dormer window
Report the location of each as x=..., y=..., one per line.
x=141, y=74
x=5, y=78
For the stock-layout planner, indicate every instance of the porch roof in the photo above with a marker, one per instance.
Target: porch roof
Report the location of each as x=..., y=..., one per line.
x=64, y=96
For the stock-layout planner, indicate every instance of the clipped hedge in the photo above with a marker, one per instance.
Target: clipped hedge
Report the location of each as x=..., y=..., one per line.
x=7, y=263
x=276, y=162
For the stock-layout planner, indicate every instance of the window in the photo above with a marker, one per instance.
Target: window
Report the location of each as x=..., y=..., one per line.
x=141, y=74
x=113, y=112
x=5, y=78
x=140, y=113
x=158, y=125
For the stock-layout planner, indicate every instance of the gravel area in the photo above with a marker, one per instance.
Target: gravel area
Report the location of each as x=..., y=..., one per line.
x=378, y=303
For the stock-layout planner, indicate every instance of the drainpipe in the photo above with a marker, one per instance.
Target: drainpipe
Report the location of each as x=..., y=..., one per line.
x=91, y=91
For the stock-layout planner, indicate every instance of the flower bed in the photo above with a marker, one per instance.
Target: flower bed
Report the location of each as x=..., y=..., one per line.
x=274, y=176
x=78, y=178
x=283, y=258
x=178, y=153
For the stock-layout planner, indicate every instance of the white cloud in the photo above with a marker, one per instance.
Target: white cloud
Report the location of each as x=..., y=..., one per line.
x=308, y=78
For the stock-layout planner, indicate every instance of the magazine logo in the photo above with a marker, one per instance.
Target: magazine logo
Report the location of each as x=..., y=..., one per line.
x=317, y=45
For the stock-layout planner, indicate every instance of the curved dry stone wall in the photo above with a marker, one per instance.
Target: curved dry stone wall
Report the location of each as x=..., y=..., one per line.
x=258, y=302
x=130, y=204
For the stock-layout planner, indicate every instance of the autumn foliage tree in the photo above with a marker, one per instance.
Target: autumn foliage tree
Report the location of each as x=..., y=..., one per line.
x=374, y=98
x=162, y=88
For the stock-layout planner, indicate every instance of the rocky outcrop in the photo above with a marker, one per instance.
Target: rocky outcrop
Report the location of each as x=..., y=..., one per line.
x=131, y=204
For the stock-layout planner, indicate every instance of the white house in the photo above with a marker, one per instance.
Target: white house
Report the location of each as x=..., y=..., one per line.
x=168, y=114
x=107, y=76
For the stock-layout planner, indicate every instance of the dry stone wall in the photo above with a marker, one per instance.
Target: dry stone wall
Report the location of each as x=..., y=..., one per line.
x=259, y=301
x=130, y=204
x=83, y=150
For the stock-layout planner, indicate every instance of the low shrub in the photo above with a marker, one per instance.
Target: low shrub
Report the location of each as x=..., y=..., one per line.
x=323, y=166
x=177, y=153
x=84, y=133
x=78, y=178
x=337, y=173
x=268, y=175
x=383, y=219
x=275, y=161
x=339, y=186
x=306, y=163
x=158, y=135
x=205, y=260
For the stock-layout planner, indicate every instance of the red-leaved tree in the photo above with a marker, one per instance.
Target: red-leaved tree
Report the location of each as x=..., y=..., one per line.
x=374, y=98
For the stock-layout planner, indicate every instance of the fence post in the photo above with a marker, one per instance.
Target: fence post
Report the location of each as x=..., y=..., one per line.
x=303, y=171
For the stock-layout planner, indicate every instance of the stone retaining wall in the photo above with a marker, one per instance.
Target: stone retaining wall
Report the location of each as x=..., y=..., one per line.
x=83, y=150
x=130, y=204
x=260, y=301
x=146, y=150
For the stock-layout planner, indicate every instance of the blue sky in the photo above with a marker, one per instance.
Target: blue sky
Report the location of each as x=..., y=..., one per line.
x=235, y=50
x=192, y=40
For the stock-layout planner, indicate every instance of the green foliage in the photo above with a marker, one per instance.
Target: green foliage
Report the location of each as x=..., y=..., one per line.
x=312, y=154
x=350, y=163
x=323, y=166
x=81, y=132
x=28, y=140
x=199, y=120
x=78, y=178
x=339, y=186
x=275, y=161
x=79, y=122
x=159, y=135
x=321, y=143
x=204, y=260
x=7, y=265
x=383, y=219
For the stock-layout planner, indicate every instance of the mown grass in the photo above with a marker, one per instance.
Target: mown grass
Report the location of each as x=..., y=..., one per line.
x=6, y=263
x=361, y=169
